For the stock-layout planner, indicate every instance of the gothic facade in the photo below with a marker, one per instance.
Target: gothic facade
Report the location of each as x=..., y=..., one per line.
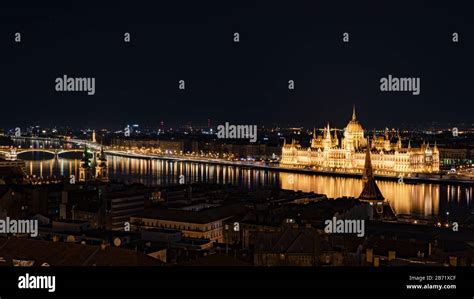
x=328, y=153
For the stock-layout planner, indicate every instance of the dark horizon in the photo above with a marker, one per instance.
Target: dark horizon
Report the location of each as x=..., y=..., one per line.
x=245, y=82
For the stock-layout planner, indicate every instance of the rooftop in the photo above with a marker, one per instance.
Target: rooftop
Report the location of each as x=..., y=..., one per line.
x=202, y=216
x=69, y=254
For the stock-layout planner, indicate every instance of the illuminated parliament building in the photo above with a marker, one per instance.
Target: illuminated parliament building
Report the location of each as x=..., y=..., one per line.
x=328, y=153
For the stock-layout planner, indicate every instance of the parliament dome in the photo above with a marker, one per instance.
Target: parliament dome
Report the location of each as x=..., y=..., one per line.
x=354, y=126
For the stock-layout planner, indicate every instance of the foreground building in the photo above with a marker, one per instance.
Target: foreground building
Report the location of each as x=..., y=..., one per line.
x=328, y=153
x=201, y=222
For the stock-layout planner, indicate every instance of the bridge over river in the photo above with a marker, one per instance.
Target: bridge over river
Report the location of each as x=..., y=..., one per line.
x=58, y=147
x=154, y=153
x=153, y=167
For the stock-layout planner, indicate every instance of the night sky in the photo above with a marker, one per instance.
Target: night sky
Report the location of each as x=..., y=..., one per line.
x=246, y=82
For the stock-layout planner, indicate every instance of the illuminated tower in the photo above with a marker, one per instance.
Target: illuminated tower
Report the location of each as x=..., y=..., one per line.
x=399, y=141
x=327, y=142
x=314, y=140
x=101, y=167
x=93, y=137
x=354, y=138
x=386, y=144
x=435, y=158
x=85, y=168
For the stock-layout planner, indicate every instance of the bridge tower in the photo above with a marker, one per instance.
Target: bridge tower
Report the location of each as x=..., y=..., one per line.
x=101, y=172
x=85, y=168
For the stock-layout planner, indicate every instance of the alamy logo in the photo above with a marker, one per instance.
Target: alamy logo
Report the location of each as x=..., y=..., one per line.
x=455, y=132
x=12, y=226
x=28, y=281
x=400, y=84
x=66, y=83
x=237, y=132
x=127, y=131
x=344, y=226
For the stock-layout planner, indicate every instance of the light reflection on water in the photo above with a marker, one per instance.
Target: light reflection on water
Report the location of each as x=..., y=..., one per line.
x=419, y=199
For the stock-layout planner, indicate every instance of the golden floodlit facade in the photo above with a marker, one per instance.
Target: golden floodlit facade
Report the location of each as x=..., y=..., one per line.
x=328, y=153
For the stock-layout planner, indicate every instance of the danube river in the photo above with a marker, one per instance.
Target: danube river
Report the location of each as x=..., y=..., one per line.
x=420, y=199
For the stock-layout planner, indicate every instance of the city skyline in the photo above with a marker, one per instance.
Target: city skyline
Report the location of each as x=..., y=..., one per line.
x=240, y=82
x=208, y=123
x=204, y=148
